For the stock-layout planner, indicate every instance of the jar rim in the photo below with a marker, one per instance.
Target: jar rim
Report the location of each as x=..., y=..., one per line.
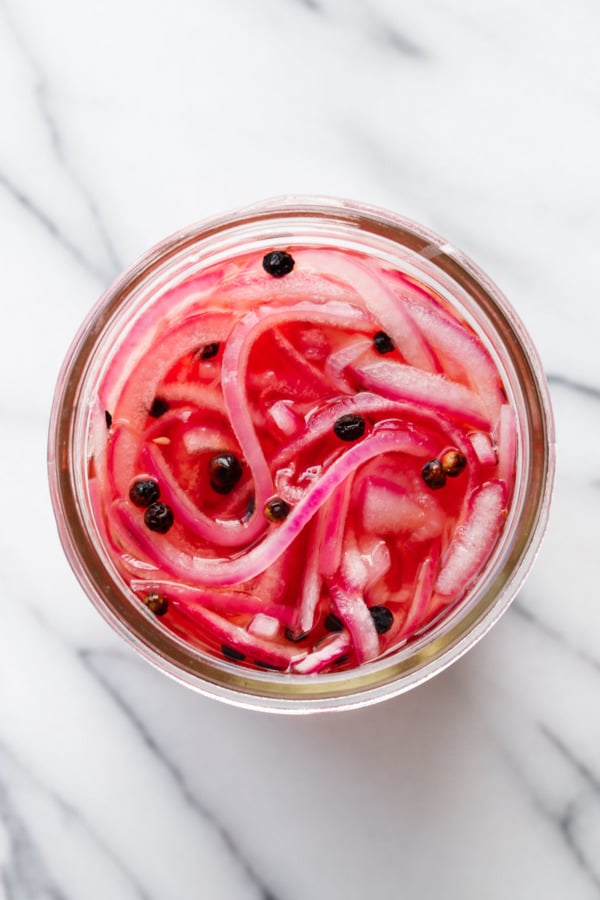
x=404, y=668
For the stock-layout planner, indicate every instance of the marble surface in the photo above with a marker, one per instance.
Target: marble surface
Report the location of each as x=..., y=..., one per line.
x=121, y=122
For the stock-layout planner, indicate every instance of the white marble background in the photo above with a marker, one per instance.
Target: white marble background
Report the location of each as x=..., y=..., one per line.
x=121, y=121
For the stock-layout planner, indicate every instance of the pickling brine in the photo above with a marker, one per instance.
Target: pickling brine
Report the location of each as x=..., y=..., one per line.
x=301, y=459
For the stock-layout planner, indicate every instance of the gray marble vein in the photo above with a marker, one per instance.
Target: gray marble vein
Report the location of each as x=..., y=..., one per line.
x=50, y=226
x=24, y=874
x=586, y=390
x=310, y=4
x=42, y=91
x=27, y=871
x=561, y=818
x=385, y=30
x=401, y=43
x=566, y=825
x=95, y=663
x=521, y=609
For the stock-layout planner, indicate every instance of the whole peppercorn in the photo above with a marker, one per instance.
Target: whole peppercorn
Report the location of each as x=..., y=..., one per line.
x=453, y=463
x=433, y=475
x=209, y=350
x=144, y=492
x=294, y=636
x=349, y=427
x=156, y=603
x=383, y=618
x=232, y=653
x=276, y=509
x=278, y=263
x=225, y=471
x=383, y=342
x=159, y=408
x=159, y=517
x=333, y=623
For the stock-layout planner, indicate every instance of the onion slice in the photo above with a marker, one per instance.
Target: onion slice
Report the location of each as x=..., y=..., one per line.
x=380, y=301
x=228, y=571
x=474, y=540
x=326, y=654
x=397, y=381
x=422, y=593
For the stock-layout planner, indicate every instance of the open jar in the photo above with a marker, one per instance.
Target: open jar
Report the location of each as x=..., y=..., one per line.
x=301, y=455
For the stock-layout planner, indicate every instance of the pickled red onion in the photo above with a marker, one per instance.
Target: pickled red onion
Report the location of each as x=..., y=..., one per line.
x=361, y=519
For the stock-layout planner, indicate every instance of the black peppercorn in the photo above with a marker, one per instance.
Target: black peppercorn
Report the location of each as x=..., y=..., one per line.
x=433, y=475
x=159, y=517
x=225, y=471
x=156, y=603
x=278, y=263
x=276, y=509
x=383, y=618
x=144, y=492
x=453, y=462
x=294, y=636
x=159, y=408
x=209, y=351
x=383, y=342
x=231, y=653
x=350, y=427
x=333, y=623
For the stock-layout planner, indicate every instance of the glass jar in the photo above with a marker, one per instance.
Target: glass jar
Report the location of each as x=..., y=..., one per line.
x=309, y=221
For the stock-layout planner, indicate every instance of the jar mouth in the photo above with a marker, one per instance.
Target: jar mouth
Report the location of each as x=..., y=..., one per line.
x=376, y=232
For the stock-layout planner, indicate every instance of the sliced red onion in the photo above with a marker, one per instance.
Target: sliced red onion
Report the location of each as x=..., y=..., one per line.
x=96, y=489
x=201, y=439
x=234, y=367
x=338, y=361
x=462, y=354
x=310, y=589
x=393, y=508
x=265, y=627
x=368, y=404
x=158, y=321
x=254, y=288
x=506, y=440
x=274, y=581
x=375, y=554
x=201, y=397
x=313, y=381
x=169, y=420
x=326, y=654
x=376, y=295
x=230, y=571
x=98, y=442
x=215, y=532
x=335, y=516
x=474, y=540
x=397, y=381
x=483, y=447
x=423, y=590
x=409, y=407
x=125, y=545
x=255, y=648
x=123, y=460
x=139, y=389
x=231, y=603
x=346, y=591
x=285, y=418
